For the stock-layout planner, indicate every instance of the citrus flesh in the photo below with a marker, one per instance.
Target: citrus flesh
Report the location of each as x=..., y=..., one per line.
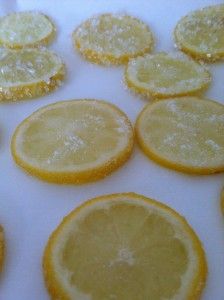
x=163, y=75
x=29, y=73
x=200, y=33
x=184, y=134
x=112, y=39
x=124, y=246
x=73, y=141
x=25, y=29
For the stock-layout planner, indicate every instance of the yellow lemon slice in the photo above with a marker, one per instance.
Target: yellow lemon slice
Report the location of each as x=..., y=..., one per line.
x=29, y=73
x=112, y=39
x=200, y=33
x=124, y=246
x=73, y=141
x=25, y=29
x=2, y=247
x=164, y=75
x=184, y=134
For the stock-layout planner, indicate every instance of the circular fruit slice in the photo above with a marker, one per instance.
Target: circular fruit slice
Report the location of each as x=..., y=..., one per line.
x=73, y=141
x=25, y=29
x=2, y=247
x=124, y=246
x=184, y=134
x=164, y=75
x=29, y=73
x=200, y=33
x=112, y=39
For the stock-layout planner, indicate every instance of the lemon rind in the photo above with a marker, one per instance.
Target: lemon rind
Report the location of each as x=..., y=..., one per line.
x=56, y=289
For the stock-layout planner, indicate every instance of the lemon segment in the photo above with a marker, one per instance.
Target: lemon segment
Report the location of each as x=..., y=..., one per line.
x=73, y=141
x=163, y=75
x=184, y=134
x=25, y=29
x=124, y=246
x=200, y=33
x=112, y=39
x=29, y=73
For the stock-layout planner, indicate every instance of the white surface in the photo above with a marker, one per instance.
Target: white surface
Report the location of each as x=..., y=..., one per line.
x=31, y=209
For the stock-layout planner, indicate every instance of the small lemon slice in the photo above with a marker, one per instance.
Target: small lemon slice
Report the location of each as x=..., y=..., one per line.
x=29, y=73
x=2, y=247
x=25, y=29
x=163, y=75
x=200, y=33
x=124, y=246
x=73, y=141
x=184, y=134
x=112, y=39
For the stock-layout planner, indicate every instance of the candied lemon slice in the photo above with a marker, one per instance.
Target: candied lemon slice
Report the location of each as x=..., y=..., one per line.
x=29, y=73
x=124, y=246
x=184, y=134
x=164, y=75
x=200, y=33
x=2, y=247
x=73, y=141
x=25, y=29
x=112, y=39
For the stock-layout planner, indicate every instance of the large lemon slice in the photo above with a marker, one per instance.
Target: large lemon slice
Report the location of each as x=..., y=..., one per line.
x=112, y=39
x=73, y=141
x=25, y=29
x=185, y=134
x=163, y=75
x=200, y=33
x=123, y=247
x=29, y=73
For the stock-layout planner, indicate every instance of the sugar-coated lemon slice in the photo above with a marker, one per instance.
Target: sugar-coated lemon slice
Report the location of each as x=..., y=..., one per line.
x=112, y=39
x=163, y=75
x=184, y=134
x=2, y=247
x=25, y=29
x=29, y=73
x=73, y=141
x=124, y=246
x=200, y=33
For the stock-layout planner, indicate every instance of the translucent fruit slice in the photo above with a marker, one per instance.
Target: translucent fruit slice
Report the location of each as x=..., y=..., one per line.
x=73, y=141
x=124, y=246
x=164, y=75
x=25, y=29
x=112, y=39
x=200, y=33
x=184, y=134
x=2, y=247
x=29, y=73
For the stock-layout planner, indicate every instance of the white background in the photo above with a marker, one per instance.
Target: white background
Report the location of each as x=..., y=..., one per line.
x=31, y=209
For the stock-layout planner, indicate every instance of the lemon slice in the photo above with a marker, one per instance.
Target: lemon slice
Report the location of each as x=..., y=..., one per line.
x=124, y=246
x=164, y=75
x=25, y=29
x=112, y=39
x=73, y=141
x=200, y=33
x=2, y=247
x=29, y=73
x=184, y=134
